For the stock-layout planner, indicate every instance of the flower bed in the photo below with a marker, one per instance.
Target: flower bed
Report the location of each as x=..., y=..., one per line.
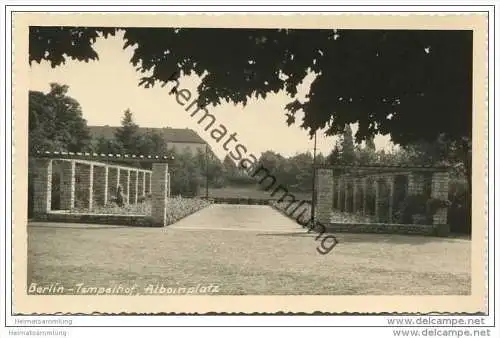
x=178, y=207
x=143, y=208
x=305, y=211
x=133, y=214
x=354, y=223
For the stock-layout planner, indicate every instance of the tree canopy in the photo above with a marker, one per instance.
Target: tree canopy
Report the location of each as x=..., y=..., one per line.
x=415, y=85
x=128, y=135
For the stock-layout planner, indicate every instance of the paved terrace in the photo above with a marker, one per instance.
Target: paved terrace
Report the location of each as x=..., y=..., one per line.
x=247, y=250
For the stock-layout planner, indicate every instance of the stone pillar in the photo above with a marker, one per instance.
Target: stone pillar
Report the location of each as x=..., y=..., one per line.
x=440, y=181
x=150, y=177
x=134, y=185
x=415, y=184
x=377, y=197
x=168, y=184
x=127, y=183
x=91, y=187
x=106, y=183
x=390, y=182
x=42, y=186
x=68, y=171
x=339, y=194
x=118, y=178
x=101, y=184
x=365, y=191
x=159, y=194
x=334, y=194
x=324, y=195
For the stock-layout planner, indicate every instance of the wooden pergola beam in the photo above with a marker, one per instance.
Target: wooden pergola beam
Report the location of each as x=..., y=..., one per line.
x=103, y=157
x=371, y=169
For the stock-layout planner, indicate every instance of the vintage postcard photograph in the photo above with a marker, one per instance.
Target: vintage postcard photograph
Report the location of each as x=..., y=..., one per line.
x=249, y=163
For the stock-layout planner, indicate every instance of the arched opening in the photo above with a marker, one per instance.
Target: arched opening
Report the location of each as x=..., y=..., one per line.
x=383, y=200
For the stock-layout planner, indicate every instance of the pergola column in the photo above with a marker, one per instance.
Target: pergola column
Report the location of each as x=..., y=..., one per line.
x=339, y=193
x=127, y=182
x=415, y=184
x=159, y=194
x=377, y=197
x=134, y=186
x=168, y=184
x=91, y=187
x=42, y=186
x=334, y=192
x=118, y=178
x=440, y=184
x=106, y=173
x=68, y=172
x=150, y=177
x=324, y=195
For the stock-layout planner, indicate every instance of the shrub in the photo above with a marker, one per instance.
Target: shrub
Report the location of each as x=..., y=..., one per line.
x=420, y=205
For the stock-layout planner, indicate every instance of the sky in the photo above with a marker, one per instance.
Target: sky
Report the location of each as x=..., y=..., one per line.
x=107, y=87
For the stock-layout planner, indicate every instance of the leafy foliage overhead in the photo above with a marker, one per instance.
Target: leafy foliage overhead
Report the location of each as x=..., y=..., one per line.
x=412, y=84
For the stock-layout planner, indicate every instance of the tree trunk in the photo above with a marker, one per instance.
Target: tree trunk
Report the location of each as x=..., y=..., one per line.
x=467, y=158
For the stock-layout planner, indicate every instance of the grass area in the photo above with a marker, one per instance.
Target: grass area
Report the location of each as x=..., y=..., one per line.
x=246, y=262
x=249, y=192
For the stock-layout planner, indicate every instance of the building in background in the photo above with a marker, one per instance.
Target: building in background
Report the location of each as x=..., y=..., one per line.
x=176, y=139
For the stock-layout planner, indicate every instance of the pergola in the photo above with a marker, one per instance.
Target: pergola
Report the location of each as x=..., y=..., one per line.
x=94, y=178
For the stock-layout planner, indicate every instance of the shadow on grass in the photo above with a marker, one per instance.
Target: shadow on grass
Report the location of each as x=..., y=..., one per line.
x=372, y=238
x=289, y=234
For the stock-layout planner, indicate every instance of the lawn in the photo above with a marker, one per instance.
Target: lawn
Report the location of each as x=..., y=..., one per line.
x=246, y=261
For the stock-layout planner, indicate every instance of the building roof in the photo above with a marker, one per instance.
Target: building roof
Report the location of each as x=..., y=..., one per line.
x=170, y=135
